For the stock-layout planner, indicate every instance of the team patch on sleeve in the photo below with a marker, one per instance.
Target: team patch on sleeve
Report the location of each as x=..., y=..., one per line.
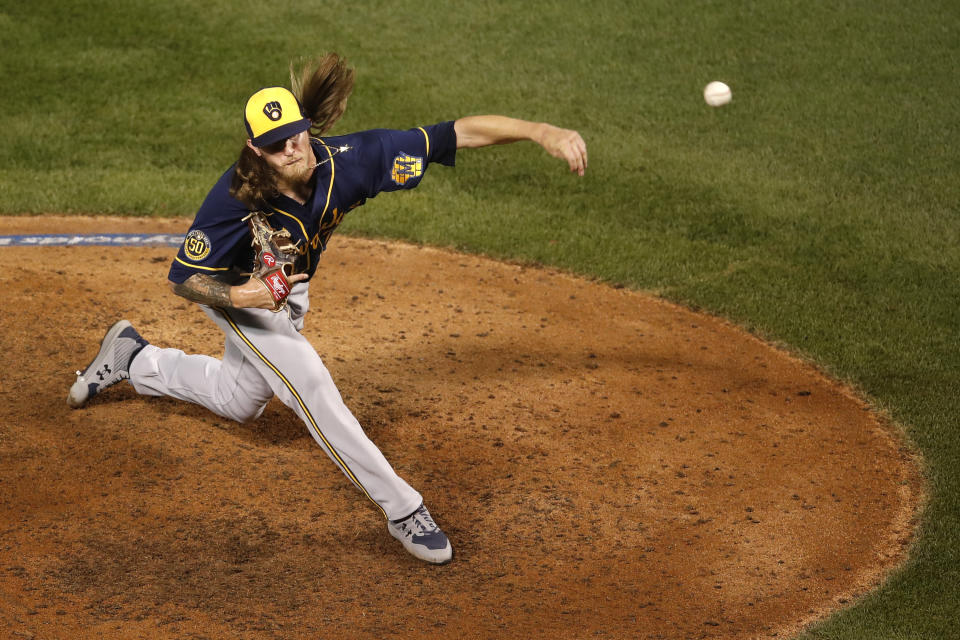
x=197, y=245
x=406, y=167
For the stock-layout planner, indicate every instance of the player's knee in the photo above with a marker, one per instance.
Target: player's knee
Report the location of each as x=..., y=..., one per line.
x=244, y=412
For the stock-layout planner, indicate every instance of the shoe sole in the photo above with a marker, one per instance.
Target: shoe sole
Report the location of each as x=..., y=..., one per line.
x=80, y=390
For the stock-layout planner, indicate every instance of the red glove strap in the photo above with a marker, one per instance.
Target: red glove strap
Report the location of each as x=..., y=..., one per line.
x=277, y=284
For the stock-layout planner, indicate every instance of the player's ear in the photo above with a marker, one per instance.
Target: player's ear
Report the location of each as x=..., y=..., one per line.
x=255, y=149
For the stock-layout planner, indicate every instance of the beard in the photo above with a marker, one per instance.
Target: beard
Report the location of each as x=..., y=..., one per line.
x=295, y=175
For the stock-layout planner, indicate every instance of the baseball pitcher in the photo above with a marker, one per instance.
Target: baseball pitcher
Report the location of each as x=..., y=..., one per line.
x=252, y=250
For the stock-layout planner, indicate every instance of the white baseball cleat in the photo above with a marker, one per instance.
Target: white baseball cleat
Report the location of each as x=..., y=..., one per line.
x=422, y=537
x=111, y=365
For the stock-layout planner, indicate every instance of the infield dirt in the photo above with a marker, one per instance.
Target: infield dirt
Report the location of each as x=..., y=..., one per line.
x=605, y=463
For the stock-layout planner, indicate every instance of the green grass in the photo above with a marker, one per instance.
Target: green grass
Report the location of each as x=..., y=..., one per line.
x=819, y=209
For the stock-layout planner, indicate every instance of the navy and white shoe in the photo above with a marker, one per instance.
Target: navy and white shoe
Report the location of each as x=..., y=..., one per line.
x=422, y=537
x=111, y=365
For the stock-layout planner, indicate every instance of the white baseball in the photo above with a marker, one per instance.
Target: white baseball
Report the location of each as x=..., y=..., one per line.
x=717, y=94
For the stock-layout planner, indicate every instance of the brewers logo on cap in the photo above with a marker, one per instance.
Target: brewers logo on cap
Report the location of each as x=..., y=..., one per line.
x=273, y=110
x=273, y=114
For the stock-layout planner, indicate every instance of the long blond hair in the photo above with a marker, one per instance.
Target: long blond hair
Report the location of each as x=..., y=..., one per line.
x=322, y=85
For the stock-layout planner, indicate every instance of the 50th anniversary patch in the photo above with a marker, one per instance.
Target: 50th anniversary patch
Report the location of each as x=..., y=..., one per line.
x=196, y=245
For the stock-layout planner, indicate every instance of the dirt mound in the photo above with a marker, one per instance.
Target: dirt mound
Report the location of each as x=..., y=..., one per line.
x=605, y=464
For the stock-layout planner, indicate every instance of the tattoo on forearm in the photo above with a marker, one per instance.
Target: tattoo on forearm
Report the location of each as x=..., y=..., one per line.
x=205, y=290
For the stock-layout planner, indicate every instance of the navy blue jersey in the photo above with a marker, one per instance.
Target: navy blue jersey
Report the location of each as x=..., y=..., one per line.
x=218, y=242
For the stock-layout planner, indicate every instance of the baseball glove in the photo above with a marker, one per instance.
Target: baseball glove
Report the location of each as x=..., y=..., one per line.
x=274, y=257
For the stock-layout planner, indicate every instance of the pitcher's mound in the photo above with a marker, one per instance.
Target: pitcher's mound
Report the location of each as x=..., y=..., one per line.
x=605, y=464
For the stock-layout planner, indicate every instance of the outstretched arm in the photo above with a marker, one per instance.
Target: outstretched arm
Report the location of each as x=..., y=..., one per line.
x=482, y=131
x=211, y=292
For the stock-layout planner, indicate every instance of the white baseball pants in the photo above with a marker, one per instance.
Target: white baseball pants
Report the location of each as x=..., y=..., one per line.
x=265, y=355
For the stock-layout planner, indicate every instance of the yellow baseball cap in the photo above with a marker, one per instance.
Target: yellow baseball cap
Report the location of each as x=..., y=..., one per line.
x=273, y=114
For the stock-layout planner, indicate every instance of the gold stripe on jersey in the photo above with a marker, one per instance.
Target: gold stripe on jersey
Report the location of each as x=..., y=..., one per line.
x=333, y=171
x=311, y=422
x=427, y=154
x=306, y=237
x=196, y=266
x=290, y=215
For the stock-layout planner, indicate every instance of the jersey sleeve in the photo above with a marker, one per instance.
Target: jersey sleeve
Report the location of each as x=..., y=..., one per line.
x=395, y=160
x=218, y=239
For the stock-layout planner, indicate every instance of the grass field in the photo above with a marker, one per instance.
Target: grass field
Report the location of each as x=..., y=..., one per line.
x=821, y=208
